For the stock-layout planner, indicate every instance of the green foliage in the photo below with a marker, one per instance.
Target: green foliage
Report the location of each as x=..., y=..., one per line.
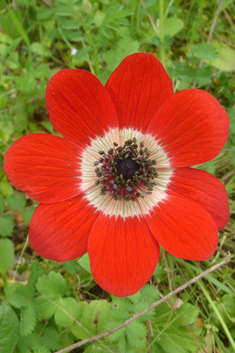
x=9, y=329
x=15, y=201
x=6, y=225
x=52, y=285
x=38, y=38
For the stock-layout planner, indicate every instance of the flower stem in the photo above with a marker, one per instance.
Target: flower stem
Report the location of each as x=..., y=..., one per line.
x=161, y=32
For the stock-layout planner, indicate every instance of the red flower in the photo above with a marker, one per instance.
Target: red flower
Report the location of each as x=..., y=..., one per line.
x=120, y=183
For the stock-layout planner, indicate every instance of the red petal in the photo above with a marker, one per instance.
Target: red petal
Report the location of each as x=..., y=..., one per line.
x=192, y=127
x=138, y=87
x=46, y=167
x=123, y=254
x=204, y=189
x=60, y=231
x=79, y=106
x=183, y=228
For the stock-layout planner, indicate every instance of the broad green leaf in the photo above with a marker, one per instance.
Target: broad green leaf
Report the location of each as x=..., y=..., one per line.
x=85, y=262
x=6, y=255
x=9, y=329
x=93, y=317
x=72, y=307
x=44, y=308
x=226, y=58
x=52, y=285
x=205, y=51
x=15, y=201
x=172, y=26
x=6, y=225
x=27, y=320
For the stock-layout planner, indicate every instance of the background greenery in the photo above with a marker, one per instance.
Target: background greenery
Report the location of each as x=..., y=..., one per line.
x=45, y=305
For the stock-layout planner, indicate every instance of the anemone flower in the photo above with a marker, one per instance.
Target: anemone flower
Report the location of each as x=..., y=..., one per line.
x=120, y=182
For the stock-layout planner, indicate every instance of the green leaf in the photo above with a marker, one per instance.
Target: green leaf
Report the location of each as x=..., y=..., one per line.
x=70, y=305
x=172, y=335
x=226, y=308
x=27, y=214
x=85, y=262
x=36, y=271
x=44, y=308
x=27, y=320
x=226, y=58
x=13, y=297
x=5, y=188
x=27, y=343
x=48, y=336
x=9, y=329
x=44, y=14
x=15, y=201
x=124, y=47
x=172, y=26
x=136, y=332
x=6, y=255
x=204, y=51
x=52, y=285
x=6, y=225
x=2, y=205
x=71, y=267
x=94, y=316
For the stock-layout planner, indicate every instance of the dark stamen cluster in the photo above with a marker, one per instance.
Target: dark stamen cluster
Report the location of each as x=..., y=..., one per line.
x=126, y=171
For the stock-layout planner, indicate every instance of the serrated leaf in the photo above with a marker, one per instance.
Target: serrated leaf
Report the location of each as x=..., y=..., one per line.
x=6, y=225
x=136, y=332
x=9, y=329
x=44, y=308
x=36, y=271
x=72, y=307
x=71, y=266
x=2, y=204
x=226, y=57
x=204, y=51
x=52, y=285
x=48, y=336
x=15, y=201
x=93, y=317
x=26, y=344
x=27, y=320
x=13, y=297
x=124, y=47
x=6, y=255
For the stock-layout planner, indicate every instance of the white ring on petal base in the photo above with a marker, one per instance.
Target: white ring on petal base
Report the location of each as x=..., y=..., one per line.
x=106, y=203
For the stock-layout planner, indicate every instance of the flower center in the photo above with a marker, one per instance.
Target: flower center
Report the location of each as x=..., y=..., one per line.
x=127, y=171
x=127, y=167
